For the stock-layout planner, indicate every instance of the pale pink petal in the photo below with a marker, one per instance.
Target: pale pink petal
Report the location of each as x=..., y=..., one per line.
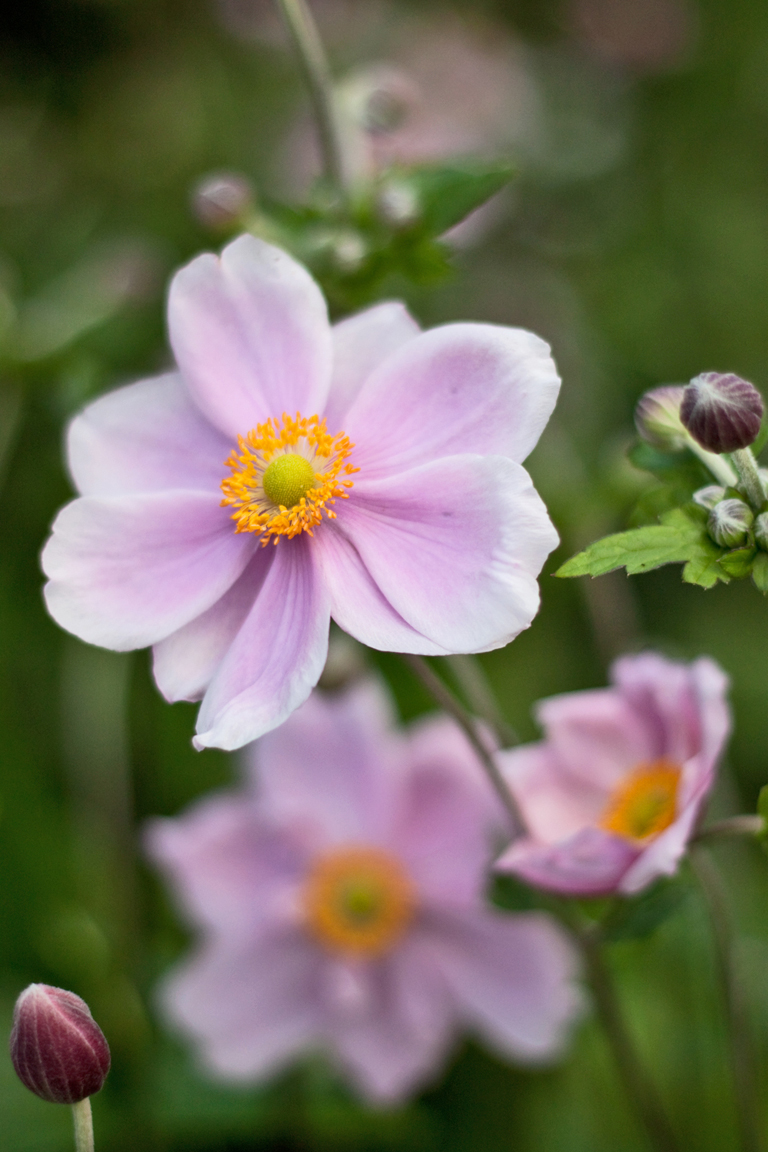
x=358, y=605
x=597, y=736
x=554, y=803
x=462, y=388
x=512, y=978
x=447, y=815
x=251, y=335
x=590, y=863
x=277, y=656
x=360, y=344
x=395, y=1036
x=232, y=873
x=126, y=571
x=331, y=765
x=663, y=854
x=252, y=1006
x=455, y=547
x=146, y=437
x=185, y=662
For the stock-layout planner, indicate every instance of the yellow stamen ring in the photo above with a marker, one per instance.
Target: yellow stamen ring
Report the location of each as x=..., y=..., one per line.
x=645, y=803
x=285, y=478
x=358, y=900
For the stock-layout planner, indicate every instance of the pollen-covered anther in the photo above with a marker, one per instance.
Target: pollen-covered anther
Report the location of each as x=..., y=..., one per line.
x=645, y=802
x=285, y=478
x=358, y=900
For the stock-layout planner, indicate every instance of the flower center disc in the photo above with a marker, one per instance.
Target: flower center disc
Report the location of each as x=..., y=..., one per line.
x=645, y=803
x=358, y=900
x=287, y=479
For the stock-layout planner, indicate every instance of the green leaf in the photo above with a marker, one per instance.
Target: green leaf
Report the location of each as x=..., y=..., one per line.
x=738, y=562
x=760, y=572
x=446, y=193
x=634, y=919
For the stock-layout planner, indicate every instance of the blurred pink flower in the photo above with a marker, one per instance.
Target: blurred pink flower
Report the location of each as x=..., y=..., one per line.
x=416, y=527
x=641, y=35
x=340, y=896
x=613, y=794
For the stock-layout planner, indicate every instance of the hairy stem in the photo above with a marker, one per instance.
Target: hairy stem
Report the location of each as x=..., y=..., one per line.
x=314, y=64
x=81, y=1114
x=443, y=696
x=742, y=1056
x=638, y=1087
x=746, y=466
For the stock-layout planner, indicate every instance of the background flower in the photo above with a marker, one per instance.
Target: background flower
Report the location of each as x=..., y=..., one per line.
x=612, y=795
x=340, y=897
x=418, y=530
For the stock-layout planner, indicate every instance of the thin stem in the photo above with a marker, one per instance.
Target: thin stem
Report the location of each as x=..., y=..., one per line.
x=314, y=64
x=442, y=694
x=473, y=682
x=639, y=1089
x=83, y=1118
x=731, y=826
x=717, y=465
x=746, y=466
x=741, y=1051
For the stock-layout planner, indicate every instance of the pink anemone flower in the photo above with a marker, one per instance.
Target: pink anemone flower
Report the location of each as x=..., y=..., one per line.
x=340, y=897
x=289, y=472
x=614, y=793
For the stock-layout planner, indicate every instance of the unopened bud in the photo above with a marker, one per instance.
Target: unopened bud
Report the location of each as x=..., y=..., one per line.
x=657, y=418
x=397, y=203
x=709, y=496
x=761, y=531
x=729, y=523
x=722, y=411
x=221, y=200
x=57, y=1048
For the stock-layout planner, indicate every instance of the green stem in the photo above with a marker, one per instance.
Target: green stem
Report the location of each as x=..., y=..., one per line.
x=81, y=1114
x=639, y=1089
x=741, y=1051
x=746, y=466
x=731, y=826
x=442, y=694
x=471, y=679
x=317, y=74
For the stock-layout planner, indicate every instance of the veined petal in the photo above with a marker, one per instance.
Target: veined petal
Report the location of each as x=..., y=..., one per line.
x=360, y=344
x=358, y=604
x=146, y=437
x=251, y=335
x=462, y=388
x=455, y=547
x=555, y=804
x=590, y=863
x=276, y=658
x=126, y=571
x=185, y=662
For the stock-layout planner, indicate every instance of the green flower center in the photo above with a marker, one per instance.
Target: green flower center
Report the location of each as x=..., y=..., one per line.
x=287, y=479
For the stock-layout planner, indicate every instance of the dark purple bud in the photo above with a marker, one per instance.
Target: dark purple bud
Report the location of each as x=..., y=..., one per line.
x=221, y=200
x=57, y=1048
x=721, y=411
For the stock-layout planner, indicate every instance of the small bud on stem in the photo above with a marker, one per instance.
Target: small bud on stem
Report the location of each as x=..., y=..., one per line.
x=729, y=523
x=721, y=411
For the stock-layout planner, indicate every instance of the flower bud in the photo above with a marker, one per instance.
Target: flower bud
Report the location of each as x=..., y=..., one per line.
x=657, y=418
x=722, y=411
x=57, y=1048
x=761, y=531
x=729, y=523
x=397, y=203
x=709, y=496
x=221, y=200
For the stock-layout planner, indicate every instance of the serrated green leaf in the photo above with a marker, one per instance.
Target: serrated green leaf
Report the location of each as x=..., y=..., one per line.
x=678, y=539
x=760, y=572
x=447, y=193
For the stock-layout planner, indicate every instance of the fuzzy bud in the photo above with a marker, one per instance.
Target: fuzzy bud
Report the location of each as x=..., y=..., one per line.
x=761, y=531
x=657, y=418
x=729, y=523
x=722, y=411
x=709, y=496
x=57, y=1048
x=221, y=200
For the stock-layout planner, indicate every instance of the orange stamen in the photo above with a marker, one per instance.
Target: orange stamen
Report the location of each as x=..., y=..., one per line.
x=645, y=803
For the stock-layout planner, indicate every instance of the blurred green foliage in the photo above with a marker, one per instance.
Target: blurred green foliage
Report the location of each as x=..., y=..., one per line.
x=636, y=241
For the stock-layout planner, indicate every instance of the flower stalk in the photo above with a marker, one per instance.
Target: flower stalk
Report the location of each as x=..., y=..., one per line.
x=83, y=1118
x=306, y=40
x=742, y=1056
x=443, y=696
x=746, y=466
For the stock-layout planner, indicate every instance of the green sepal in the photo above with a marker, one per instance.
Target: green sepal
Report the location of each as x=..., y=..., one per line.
x=447, y=193
x=760, y=572
x=738, y=562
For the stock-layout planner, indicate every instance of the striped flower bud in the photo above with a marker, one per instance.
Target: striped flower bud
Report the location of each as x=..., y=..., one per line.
x=57, y=1048
x=657, y=418
x=721, y=411
x=709, y=496
x=729, y=523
